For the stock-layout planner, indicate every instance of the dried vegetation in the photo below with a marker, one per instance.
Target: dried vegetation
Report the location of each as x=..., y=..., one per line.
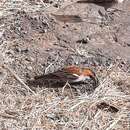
x=33, y=42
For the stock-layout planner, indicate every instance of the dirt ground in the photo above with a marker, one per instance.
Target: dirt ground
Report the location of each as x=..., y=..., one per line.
x=35, y=40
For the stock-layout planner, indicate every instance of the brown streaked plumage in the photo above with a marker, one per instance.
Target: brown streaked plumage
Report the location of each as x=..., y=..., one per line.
x=70, y=74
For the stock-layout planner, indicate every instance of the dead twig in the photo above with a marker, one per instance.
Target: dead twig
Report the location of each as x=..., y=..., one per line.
x=121, y=115
x=67, y=84
x=17, y=77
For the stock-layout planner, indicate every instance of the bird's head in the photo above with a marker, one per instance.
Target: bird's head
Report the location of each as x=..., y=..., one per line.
x=82, y=74
x=89, y=74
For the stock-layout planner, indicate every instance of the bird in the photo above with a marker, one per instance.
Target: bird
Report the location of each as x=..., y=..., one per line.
x=71, y=74
x=104, y=3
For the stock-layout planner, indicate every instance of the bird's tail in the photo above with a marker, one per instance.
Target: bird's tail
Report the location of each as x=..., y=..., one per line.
x=35, y=82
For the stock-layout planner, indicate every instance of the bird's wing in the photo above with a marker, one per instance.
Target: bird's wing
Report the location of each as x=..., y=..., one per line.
x=58, y=76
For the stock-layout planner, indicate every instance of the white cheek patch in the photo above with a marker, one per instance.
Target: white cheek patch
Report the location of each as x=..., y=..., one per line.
x=81, y=78
x=119, y=1
x=76, y=75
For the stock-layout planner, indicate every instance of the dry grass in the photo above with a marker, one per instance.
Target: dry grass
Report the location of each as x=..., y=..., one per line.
x=23, y=109
x=46, y=110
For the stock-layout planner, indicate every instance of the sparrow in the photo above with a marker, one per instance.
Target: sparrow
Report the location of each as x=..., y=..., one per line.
x=104, y=3
x=70, y=74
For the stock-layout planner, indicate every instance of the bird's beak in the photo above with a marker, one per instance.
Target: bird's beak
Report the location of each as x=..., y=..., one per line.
x=95, y=79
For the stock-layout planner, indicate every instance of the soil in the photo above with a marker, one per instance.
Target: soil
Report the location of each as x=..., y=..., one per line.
x=36, y=42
